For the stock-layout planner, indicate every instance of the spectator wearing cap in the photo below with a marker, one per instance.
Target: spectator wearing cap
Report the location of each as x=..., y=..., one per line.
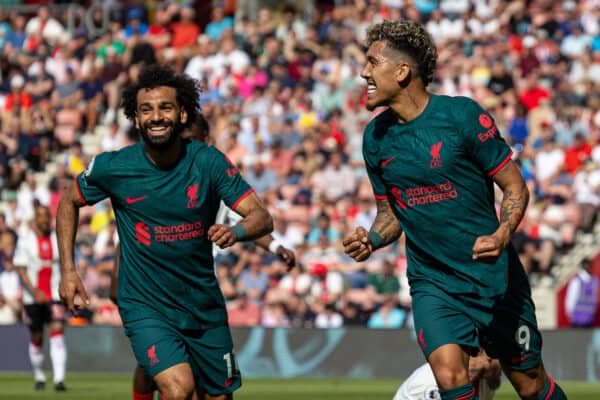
x=135, y=24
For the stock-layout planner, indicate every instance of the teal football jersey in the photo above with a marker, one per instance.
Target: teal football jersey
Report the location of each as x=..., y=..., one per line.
x=163, y=216
x=437, y=170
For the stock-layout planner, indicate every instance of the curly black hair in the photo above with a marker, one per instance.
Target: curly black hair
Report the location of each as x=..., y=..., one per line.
x=156, y=75
x=408, y=37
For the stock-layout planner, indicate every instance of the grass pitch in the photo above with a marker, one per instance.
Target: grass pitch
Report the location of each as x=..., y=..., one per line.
x=118, y=387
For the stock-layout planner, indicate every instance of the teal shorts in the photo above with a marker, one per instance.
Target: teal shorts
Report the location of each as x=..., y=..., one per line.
x=507, y=329
x=157, y=346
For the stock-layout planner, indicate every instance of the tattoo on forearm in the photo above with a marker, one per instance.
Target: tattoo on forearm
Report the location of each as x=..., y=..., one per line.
x=386, y=223
x=513, y=207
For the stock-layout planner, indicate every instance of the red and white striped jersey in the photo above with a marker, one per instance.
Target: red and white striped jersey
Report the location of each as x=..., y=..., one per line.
x=39, y=255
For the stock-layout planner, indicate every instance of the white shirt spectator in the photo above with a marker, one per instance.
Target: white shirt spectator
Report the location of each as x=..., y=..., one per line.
x=52, y=32
x=326, y=321
x=574, y=45
x=27, y=254
x=547, y=163
x=587, y=187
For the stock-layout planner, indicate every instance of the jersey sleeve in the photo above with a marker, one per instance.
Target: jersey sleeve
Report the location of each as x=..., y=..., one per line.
x=373, y=172
x=93, y=183
x=483, y=141
x=229, y=184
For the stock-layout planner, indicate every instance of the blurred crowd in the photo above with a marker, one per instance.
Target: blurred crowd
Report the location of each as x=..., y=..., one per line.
x=285, y=102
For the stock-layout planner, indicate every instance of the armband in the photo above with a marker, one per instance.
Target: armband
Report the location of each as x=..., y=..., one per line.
x=240, y=232
x=274, y=245
x=375, y=239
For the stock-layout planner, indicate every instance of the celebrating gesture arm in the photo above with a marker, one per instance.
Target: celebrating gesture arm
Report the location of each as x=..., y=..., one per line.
x=514, y=203
x=360, y=244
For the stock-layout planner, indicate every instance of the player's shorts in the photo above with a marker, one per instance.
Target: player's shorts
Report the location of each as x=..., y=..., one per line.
x=38, y=315
x=157, y=346
x=507, y=331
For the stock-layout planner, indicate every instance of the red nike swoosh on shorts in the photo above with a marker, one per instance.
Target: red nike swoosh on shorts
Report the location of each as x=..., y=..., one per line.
x=131, y=200
x=521, y=359
x=384, y=163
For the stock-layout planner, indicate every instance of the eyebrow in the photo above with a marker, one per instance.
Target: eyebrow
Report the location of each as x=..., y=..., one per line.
x=161, y=104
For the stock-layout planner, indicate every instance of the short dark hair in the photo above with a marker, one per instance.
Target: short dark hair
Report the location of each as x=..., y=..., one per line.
x=408, y=37
x=156, y=75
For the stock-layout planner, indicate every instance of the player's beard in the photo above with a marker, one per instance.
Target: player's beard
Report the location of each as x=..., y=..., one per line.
x=162, y=142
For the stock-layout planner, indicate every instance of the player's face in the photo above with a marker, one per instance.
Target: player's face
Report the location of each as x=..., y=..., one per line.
x=159, y=118
x=382, y=75
x=43, y=220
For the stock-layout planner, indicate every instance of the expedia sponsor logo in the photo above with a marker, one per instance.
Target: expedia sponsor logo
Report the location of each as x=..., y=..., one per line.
x=488, y=134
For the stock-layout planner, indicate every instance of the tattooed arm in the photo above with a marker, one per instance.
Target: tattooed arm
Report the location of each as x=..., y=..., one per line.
x=386, y=229
x=514, y=203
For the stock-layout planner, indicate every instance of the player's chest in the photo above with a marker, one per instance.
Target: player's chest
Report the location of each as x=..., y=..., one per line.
x=175, y=195
x=419, y=157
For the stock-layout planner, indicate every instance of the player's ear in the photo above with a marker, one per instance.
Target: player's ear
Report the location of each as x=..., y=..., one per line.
x=403, y=74
x=183, y=116
x=138, y=125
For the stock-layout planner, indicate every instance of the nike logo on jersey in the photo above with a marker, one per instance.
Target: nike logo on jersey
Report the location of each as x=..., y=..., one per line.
x=131, y=200
x=385, y=163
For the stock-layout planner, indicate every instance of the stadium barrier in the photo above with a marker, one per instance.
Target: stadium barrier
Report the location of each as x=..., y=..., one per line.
x=286, y=353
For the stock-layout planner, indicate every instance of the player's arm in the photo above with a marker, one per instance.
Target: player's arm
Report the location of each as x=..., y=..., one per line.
x=114, y=276
x=385, y=229
x=67, y=219
x=257, y=222
x=514, y=203
x=273, y=245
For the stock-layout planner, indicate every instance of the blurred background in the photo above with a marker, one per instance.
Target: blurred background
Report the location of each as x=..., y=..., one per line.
x=283, y=96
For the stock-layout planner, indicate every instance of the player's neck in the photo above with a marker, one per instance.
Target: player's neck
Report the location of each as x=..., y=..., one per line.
x=165, y=158
x=410, y=104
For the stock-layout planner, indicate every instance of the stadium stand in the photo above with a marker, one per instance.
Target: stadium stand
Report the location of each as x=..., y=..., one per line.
x=285, y=102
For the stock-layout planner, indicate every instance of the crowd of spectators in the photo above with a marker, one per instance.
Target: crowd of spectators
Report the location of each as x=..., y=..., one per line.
x=285, y=102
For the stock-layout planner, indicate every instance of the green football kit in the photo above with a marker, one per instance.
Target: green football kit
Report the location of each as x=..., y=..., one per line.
x=172, y=307
x=436, y=171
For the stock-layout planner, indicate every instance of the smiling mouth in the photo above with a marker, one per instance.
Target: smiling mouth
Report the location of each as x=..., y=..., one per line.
x=158, y=129
x=371, y=89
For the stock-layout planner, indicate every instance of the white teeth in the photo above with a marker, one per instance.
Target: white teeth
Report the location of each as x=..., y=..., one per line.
x=371, y=88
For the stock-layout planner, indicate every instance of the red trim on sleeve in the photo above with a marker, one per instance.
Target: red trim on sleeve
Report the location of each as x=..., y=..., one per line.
x=468, y=396
x=79, y=191
x=242, y=197
x=502, y=164
x=380, y=197
x=56, y=334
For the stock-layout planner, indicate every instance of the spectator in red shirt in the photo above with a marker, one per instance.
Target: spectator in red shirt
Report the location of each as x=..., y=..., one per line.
x=17, y=98
x=576, y=154
x=533, y=93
